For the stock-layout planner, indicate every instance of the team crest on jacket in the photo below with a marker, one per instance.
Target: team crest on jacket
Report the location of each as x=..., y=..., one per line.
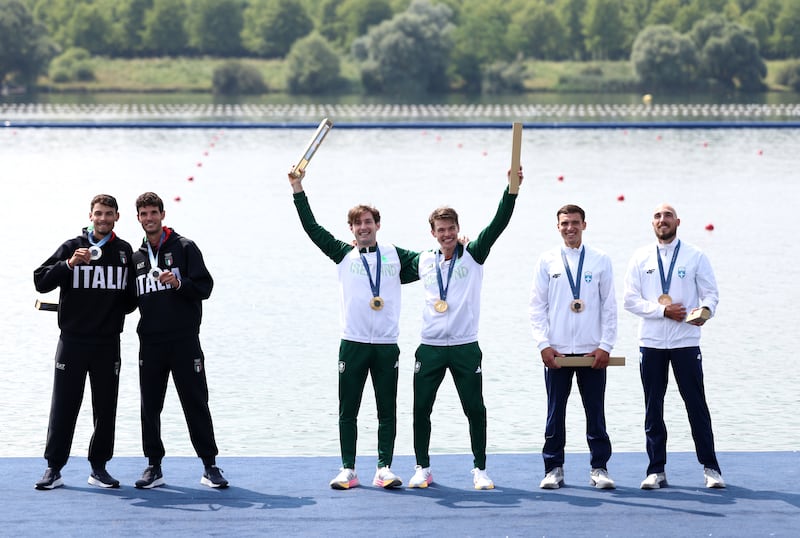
x=341, y=367
x=168, y=259
x=587, y=276
x=681, y=272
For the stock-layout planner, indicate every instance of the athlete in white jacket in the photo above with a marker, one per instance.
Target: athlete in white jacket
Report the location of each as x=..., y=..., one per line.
x=663, y=284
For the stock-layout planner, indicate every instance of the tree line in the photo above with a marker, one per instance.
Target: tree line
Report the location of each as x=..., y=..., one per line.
x=428, y=45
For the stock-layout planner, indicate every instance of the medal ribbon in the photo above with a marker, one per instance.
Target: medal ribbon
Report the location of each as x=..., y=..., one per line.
x=99, y=244
x=375, y=286
x=665, y=281
x=442, y=288
x=154, y=257
x=576, y=288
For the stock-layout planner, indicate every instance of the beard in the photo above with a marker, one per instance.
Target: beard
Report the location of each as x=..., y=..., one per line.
x=667, y=235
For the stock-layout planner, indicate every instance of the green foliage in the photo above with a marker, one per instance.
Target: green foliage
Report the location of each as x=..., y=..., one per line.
x=571, y=14
x=787, y=30
x=729, y=54
x=214, y=26
x=789, y=75
x=537, y=32
x=663, y=58
x=504, y=77
x=25, y=48
x=164, y=28
x=605, y=30
x=482, y=30
x=73, y=65
x=312, y=67
x=236, y=78
x=356, y=17
x=408, y=53
x=89, y=28
x=272, y=26
x=129, y=23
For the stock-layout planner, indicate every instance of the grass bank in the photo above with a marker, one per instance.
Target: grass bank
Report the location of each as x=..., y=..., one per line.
x=194, y=75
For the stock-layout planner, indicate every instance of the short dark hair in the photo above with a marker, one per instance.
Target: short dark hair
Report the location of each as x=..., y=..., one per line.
x=443, y=213
x=147, y=199
x=571, y=208
x=355, y=212
x=105, y=199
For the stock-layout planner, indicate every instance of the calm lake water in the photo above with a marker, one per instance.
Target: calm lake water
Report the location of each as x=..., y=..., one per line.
x=270, y=330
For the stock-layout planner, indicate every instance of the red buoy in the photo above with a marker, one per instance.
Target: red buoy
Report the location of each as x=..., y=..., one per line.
x=621, y=198
x=709, y=227
x=177, y=198
x=190, y=178
x=561, y=178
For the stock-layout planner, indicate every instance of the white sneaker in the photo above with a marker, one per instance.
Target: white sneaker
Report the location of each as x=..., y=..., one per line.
x=481, y=479
x=554, y=479
x=600, y=479
x=385, y=478
x=346, y=479
x=654, y=481
x=713, y=478
x=422, y=477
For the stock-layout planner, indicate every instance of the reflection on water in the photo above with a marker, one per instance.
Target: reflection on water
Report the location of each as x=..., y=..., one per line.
x=271, y=326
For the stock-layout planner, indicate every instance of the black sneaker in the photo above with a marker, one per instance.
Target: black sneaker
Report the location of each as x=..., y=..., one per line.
x=213, y=478
x=50, y=480
x=151, y=478
x=102, y=479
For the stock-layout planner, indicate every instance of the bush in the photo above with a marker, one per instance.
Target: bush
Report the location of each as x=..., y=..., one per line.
x=313, y=67
x=789, y=75
x=235, y=78
x=504, y=77
x=74, y=64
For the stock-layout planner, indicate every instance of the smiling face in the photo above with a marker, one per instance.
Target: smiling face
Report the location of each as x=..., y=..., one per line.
x=446, y=233
x=150, y=217
x=571, y=226
x=365, y=229
x=665, y=223
x=103, y=218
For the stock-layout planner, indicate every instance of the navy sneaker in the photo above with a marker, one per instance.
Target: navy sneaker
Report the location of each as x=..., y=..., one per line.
x=151, y=478
x=50, y=480
x=102, y=479
x=212, y=477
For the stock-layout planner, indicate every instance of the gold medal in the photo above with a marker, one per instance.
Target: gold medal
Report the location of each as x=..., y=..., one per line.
x=376, y=303
x=577, y=306
x=440, y=306
x=664, y=299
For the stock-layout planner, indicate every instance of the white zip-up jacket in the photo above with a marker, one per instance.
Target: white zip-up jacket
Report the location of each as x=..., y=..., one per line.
x=459, y=324
x=692, y=285
x=553, y=323
x=360, y=323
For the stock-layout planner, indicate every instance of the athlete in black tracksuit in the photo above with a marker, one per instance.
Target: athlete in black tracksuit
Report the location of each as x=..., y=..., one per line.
x=171, y=311
x=95, y=295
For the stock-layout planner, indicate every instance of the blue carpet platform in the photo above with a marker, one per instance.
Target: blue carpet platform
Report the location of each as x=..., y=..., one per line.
x=290, y=497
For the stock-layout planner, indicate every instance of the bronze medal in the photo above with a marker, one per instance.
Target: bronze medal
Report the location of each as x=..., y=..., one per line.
x=664, y=299
x=440, y=306
x=376, y=303
x=577, y=306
